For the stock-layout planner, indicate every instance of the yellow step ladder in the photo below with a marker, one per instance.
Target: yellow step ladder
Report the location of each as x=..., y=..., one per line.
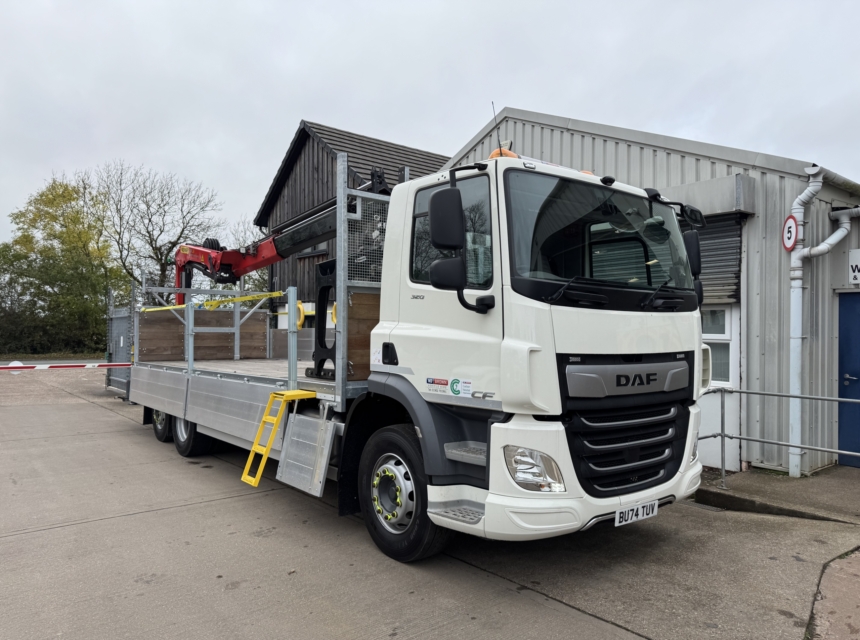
x=285, y=398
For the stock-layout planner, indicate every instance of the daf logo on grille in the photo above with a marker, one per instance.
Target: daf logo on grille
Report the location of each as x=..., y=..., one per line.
x=636, y=380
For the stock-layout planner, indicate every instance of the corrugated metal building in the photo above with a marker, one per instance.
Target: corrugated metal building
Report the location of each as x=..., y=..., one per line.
x=746, y=197
x=305, y=184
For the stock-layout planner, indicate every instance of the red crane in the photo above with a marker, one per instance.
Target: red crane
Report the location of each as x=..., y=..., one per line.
x=220, y=264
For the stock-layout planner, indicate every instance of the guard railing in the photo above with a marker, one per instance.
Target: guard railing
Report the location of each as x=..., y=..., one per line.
x=723, y=435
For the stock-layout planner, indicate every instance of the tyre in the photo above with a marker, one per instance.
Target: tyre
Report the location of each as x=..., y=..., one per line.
x=392, y=491
x=188, y=442
x=162, y=426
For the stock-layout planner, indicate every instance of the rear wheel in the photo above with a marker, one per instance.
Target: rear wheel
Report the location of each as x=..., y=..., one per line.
x=393, y=496
x=188, y=441
x=162, y=426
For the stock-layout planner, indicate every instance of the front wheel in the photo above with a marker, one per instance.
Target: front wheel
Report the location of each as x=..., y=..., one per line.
x=188, y=441
x=162, y=426
x=393, y=496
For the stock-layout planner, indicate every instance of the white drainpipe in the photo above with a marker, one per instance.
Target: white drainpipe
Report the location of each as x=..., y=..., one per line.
x=817, y=177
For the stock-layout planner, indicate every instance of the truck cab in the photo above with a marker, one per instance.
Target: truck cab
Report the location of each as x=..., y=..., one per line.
x=540, y=334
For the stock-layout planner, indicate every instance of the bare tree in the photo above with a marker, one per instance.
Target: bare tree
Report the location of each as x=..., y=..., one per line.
x=149, y=214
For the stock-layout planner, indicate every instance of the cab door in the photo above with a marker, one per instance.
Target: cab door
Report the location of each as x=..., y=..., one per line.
x=451, y=354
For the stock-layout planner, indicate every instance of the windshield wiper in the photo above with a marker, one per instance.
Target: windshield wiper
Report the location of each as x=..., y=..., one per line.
x=576, y=296
x=560, y=291
x=672, y=303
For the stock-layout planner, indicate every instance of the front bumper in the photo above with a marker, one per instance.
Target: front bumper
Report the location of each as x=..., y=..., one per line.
x=513, y=513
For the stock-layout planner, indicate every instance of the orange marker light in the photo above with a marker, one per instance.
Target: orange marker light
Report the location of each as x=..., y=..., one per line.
x=502, y=153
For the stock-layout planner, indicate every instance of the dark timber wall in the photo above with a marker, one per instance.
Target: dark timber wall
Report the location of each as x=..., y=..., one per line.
x=306, y=181
x=310, y=184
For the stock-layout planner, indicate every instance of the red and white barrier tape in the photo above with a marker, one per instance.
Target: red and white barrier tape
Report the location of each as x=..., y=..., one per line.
x=92, y=365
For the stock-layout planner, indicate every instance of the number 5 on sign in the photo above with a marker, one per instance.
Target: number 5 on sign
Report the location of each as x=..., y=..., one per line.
x=789, y=233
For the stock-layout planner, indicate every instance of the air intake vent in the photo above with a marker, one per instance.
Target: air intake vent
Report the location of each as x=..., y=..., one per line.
x=623, y=451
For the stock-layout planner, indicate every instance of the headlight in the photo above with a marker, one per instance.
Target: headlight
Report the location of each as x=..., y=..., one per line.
x=533, y=470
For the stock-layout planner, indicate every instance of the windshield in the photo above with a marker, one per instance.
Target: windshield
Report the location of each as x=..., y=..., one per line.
x=563, y=229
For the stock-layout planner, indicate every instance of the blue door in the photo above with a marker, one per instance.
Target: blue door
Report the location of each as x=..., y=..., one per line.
x=849, y=376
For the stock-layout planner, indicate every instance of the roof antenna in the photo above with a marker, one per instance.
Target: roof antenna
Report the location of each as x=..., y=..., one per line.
x=495, y=120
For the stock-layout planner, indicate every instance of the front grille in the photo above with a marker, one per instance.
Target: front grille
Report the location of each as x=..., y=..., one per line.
x=640, y=416
x=627, y=450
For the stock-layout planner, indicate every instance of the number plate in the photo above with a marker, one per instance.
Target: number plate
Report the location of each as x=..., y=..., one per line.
x=637, y=512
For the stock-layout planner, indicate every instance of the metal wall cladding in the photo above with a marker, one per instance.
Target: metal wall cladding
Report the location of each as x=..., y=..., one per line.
x=649, y=160
x=633, y=163
x=765, y=333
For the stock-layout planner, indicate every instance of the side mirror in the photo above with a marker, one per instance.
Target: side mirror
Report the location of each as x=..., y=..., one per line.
x=447, y=222
x=693, y=215
x=448, y=233
x=448, y=274
x=694, y=252
x=700, y=292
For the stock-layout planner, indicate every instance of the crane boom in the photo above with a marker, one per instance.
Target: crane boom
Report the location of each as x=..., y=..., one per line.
x=224, y=265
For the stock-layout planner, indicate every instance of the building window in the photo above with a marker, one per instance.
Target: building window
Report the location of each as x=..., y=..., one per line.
x=714, y=321
x=475, y=193
x=716, y=333
x=322, y=247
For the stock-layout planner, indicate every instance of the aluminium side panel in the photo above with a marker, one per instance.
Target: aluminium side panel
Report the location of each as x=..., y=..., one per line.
x=159, y=389
x=229, y=406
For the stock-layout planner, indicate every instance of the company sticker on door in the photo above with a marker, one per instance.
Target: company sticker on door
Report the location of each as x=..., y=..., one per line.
x=455, y=387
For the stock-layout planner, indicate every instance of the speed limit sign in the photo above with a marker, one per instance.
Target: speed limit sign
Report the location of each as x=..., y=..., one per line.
x=789, y=233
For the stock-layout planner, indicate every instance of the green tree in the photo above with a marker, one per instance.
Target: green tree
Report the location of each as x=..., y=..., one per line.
x=81, y=236
x=57, y=271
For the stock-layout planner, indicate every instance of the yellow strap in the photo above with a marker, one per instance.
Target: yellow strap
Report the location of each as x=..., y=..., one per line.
x=214, y=304
x=302, y=313
x=209, y=305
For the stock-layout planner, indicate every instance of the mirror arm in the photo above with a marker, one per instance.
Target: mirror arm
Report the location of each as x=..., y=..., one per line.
x=452, y=172
x=485, y=303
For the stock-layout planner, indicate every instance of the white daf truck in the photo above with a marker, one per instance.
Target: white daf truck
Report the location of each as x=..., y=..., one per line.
x=534, y=369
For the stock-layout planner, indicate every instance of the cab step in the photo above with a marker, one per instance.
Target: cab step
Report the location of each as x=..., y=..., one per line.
x=464, y=511
x=467, y=451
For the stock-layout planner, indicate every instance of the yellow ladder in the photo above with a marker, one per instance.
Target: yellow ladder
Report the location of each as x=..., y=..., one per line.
x=285, y=397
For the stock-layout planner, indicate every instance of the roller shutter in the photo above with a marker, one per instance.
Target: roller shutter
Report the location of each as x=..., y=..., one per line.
x=721, y=257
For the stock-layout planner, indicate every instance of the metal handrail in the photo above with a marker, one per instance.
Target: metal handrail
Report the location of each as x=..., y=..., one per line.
x=788, y=395
x=723, y=435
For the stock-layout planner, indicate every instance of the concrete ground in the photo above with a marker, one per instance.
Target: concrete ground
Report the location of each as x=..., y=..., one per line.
x=837, y=606
x=830, y=494
x=107, y=533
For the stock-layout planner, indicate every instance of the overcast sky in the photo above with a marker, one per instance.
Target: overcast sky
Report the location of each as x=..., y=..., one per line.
x=214, y=91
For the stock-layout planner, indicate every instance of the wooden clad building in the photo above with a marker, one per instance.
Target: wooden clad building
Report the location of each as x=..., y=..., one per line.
x=305, y=184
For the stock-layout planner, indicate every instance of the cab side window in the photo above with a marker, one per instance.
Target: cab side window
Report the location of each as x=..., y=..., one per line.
x=475, y=193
